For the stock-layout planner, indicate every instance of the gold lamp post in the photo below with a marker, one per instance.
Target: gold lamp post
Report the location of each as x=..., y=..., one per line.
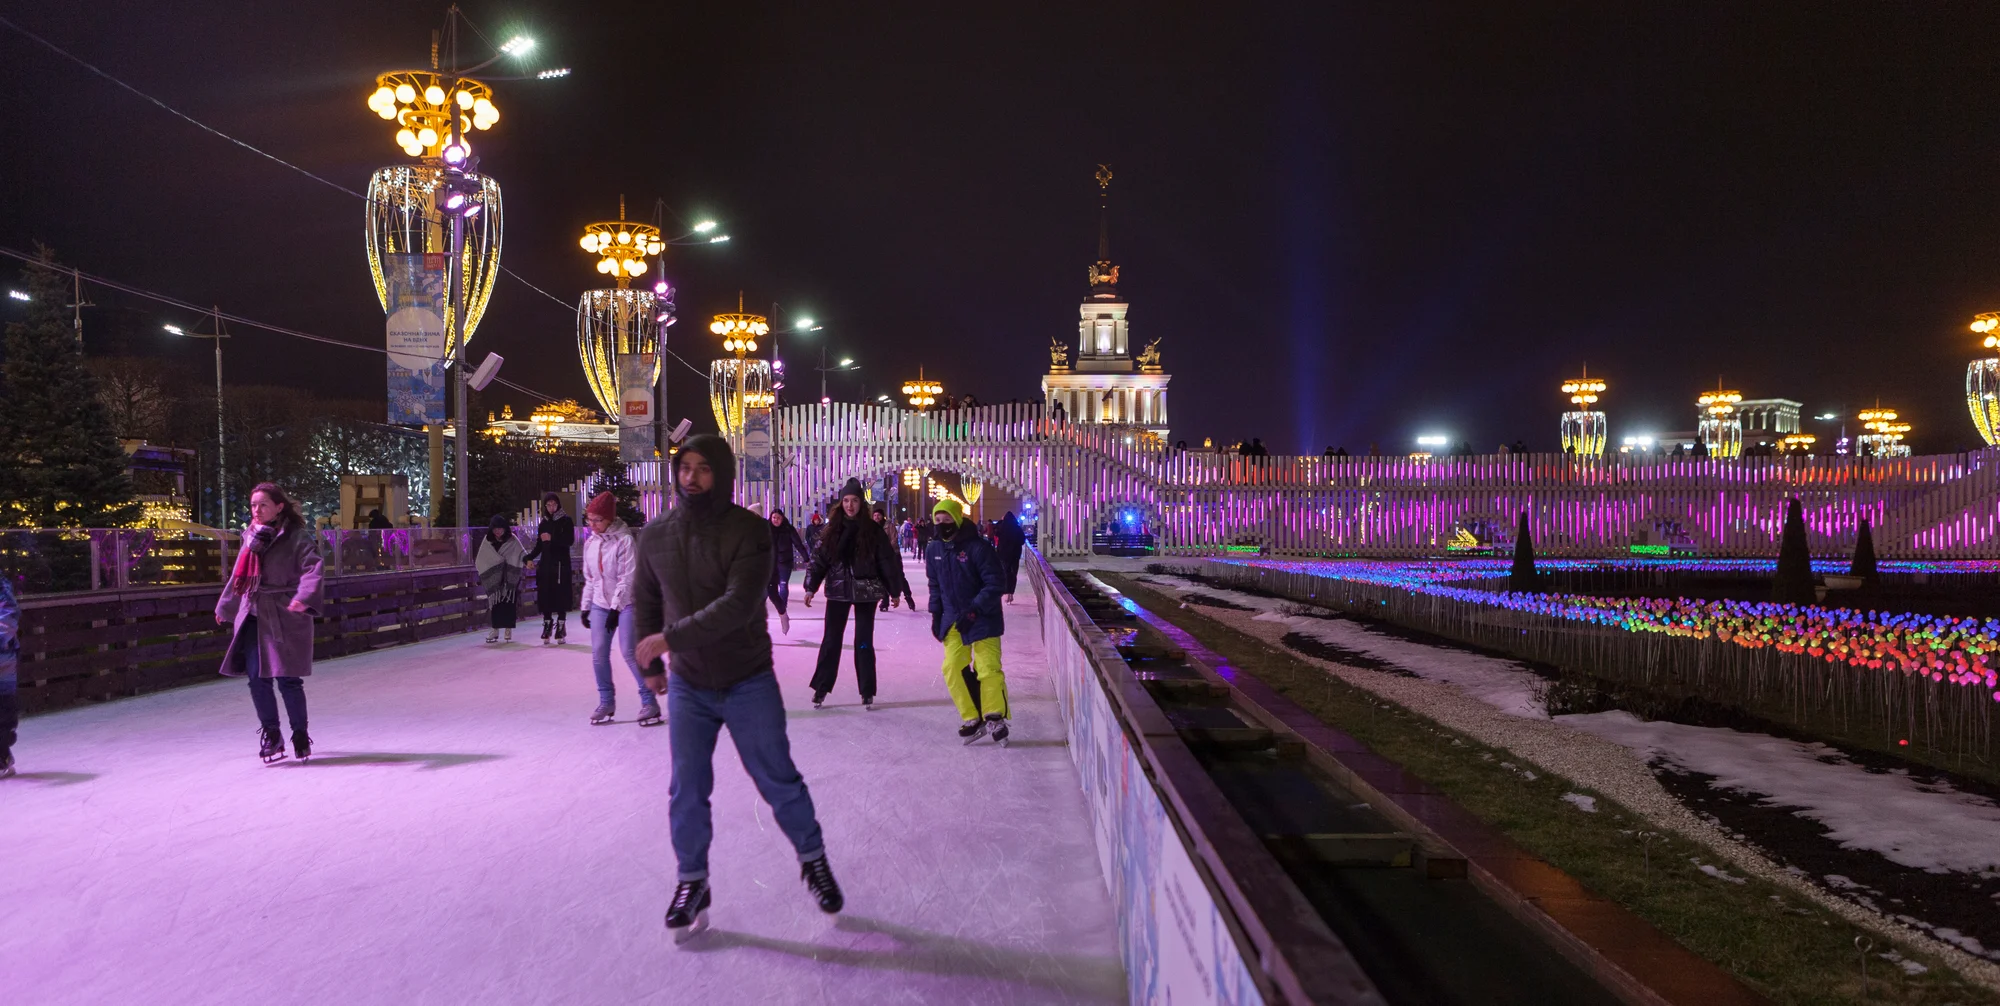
x=1584, y=427
x=619, y=321
x=1719, y=427
x=403, y=212
x=735, y=385
x=1982, y=379
x=1885, y=436
x=1798, y=443
x=922, y=393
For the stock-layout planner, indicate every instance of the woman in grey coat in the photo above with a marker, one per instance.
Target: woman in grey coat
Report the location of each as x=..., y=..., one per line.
x=270, y=600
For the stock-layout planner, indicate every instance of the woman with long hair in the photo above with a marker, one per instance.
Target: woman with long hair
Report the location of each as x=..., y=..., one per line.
x=269, y=602
x=859, y=566
x=786, y=548
x=555, y=582
x=500, y=567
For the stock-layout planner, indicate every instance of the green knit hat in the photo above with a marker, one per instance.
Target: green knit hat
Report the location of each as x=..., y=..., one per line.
x=951, y=507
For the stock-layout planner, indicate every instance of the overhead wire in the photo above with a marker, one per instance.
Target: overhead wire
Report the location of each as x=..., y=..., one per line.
x=66, y=54
x=217, y=313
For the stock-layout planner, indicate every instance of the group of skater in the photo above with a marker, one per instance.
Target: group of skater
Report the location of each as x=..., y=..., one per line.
x=684, y=603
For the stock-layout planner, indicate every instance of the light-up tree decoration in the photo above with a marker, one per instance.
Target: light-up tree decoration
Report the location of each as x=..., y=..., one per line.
x=619, y=321
x=735, y=385
x=921, y=393
x=1982, y=380
x=1885, y=436
x=1583, y=428
x=403, y=215
x=1719, y=427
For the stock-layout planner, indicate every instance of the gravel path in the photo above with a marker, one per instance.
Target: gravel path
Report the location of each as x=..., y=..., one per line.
x=1589, y=761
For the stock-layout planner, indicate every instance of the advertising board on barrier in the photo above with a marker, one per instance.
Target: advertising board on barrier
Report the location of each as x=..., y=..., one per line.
x=1174, y=942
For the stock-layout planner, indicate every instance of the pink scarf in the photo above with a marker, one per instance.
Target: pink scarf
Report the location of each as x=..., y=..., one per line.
x=249, y=569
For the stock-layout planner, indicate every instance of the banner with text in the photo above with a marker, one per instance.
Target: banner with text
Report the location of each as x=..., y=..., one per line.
x=635, y=407
x=416, y=338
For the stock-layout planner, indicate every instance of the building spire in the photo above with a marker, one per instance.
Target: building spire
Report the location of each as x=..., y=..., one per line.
x=1104, y=275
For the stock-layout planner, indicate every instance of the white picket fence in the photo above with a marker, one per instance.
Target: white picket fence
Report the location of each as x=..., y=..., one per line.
x=1081, y=476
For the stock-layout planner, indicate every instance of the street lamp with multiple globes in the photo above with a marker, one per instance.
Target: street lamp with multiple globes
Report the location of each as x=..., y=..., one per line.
x=440, y=208
x=735, y=385
x=1719, y=427
x=619, y=321
x=1982, y=379
x=1583, y=428
x=922, y=393
x=1885, y=435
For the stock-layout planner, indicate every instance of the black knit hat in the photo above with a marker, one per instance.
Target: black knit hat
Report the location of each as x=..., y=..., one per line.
x=852, y=488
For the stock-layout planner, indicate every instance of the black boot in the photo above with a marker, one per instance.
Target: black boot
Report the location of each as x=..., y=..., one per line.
x=687, y=914
x=996, y=728
x=819, y=878
x=302, y=745
x=548, y=627
x=270, y=745
x=562, y=627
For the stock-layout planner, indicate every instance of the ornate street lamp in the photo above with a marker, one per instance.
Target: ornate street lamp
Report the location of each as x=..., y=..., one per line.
x=1719, y=427
x=922, y=393
x=620, y=321
x=1885, y=436
x=404, y=211
x=735, y=385
x=1583, y=428
x=1982, y=380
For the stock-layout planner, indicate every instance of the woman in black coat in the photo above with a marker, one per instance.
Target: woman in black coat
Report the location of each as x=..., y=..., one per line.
x=1010, y=539
x=785, y=548
x=554, y=580
x=859, y=565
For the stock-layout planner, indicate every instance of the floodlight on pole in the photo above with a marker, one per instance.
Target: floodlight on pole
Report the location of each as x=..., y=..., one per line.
x=517, y=45
x=18, y=295
x=704, y=227
x=561, y=71
x=719, y=239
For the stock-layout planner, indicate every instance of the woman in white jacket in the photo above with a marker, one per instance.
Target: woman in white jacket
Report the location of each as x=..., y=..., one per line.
x=609, y=559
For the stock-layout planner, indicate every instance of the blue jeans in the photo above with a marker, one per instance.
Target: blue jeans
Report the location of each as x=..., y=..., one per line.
x=755, y=716
x=600, y=654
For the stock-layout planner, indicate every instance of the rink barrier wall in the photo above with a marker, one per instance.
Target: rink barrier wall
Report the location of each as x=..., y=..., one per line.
x=1205, y=913
x=98, y=645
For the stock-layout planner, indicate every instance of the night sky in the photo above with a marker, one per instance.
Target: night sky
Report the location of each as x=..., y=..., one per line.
x=1348, y=226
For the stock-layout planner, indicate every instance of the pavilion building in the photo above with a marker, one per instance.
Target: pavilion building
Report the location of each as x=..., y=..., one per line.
x=1108, y=383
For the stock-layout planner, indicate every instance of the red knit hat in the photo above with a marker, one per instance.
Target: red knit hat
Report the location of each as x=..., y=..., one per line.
x=602, y=505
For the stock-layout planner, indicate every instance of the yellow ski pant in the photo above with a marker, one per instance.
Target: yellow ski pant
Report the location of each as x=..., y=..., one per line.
x=984, y=656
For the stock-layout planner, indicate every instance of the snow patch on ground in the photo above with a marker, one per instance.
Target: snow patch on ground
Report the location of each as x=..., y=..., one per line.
x=1587, y=804
x=1504, y=684
x=1717, y=872
x=1922, y=825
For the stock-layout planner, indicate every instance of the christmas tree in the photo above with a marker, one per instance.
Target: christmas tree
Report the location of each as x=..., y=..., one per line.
x=615, y=479
x=60, y=462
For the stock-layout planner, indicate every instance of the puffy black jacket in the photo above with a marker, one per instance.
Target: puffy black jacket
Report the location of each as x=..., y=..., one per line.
x=966, y=581
x=701, y=578
x=839, y=571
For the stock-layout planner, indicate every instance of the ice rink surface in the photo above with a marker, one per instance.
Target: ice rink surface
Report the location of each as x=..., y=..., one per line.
x=463, y=835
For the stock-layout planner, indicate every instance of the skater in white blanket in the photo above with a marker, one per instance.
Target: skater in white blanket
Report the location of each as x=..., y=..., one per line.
x=608, y=564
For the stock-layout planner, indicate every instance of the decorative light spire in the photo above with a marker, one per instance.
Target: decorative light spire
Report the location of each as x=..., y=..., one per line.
x=1104, y=275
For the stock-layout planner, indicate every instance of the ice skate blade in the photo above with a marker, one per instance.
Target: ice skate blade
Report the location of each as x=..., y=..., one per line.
x=974, y=737
x=654, y=722
x=274, y=759
x=692, y=929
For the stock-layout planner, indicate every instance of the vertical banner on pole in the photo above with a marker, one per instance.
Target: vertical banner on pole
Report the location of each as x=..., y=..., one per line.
x=754, y=484
x=416, y=338
x=635, y=407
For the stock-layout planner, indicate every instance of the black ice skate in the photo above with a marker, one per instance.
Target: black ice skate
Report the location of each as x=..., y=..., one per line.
x=302, y=745
x=603, y=714
x=562, y=629
x=649, y=715
x=819, y=878
x=996, y=728
x=688, y=913
x=819, y=700
x=548, y=629
x=6, y=766
x=971, y=730
x=270, y=746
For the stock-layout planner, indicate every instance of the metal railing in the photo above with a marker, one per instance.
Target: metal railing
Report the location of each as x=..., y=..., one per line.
x=70, y=560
